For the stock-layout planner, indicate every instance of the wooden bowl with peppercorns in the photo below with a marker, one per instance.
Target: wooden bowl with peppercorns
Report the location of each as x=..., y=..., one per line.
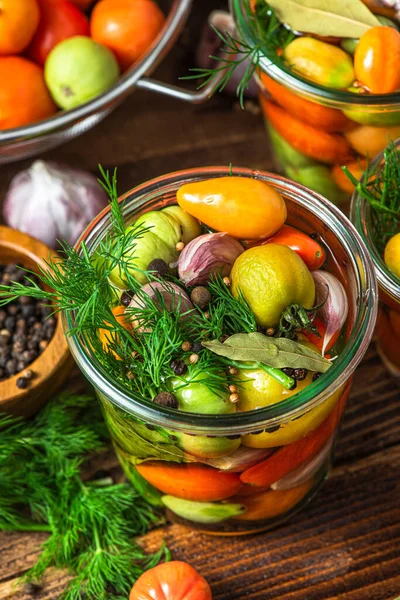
x=34, y=356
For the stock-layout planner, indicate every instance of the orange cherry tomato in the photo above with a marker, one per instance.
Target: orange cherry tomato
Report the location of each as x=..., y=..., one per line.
x=24, y=97
x=175, y=580
x=243, y=207
x=106, y=336
x=126, y=27
x=322, y=117
x=356, y=168
x=288, y=458
x=308, y=249
x=190, y=481
x=59, y=20
x=272, y=503
x=18, y=22
x=377, y=60
x=319, y=341
x=312, y=141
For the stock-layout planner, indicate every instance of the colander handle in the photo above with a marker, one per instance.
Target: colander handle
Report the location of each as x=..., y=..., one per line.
x=193, y=96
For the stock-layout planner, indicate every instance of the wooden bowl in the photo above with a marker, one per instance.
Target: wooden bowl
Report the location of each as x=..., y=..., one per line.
x=52, y=367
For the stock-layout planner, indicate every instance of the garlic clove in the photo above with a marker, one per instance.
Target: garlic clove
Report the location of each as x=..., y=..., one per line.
x=206, y=255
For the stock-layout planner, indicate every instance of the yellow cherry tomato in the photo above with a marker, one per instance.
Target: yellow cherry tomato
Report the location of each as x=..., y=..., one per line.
x=392, y=254
x=243, y=207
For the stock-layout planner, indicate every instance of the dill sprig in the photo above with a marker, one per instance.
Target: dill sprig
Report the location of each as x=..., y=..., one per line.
x=225, y=314
x=271, y=34
x=91, y=523
x=380, y=186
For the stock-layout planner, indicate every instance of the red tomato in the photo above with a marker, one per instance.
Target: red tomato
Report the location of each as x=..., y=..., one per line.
x=59, y=20
x=173, y=580
x=308, y=249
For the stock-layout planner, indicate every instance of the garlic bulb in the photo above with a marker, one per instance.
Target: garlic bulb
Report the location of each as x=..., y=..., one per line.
x=53, y=202
x=208, y=254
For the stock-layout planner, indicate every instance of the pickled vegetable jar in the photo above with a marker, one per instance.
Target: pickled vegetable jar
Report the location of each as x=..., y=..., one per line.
x=329, y=85
x=380, y=232
x=239, y=309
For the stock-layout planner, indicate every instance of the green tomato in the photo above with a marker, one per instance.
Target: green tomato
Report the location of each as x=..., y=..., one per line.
x=190, y=227
x=141, y=253
x=196, y=397
x=366, y=116
x=202, y=512
x=162, y=225
x=349, y=45
x=204, y=447
x=318, y=178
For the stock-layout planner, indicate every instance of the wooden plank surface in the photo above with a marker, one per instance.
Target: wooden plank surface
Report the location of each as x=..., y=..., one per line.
x=346, y=544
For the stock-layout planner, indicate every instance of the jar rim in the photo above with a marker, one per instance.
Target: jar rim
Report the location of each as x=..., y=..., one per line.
x=360, y=217
x=271, y=64
x=245, y=422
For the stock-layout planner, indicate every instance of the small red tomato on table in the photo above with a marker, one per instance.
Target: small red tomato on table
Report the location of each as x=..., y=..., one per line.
x=175, y=580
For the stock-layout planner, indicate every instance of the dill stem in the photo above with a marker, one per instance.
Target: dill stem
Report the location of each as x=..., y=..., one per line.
x=280, y=376
x=277, y=374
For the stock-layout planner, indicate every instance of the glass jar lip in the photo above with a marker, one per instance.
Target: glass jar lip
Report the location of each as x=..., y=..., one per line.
x=275, y=68
x=244, y=422
x=359, y=214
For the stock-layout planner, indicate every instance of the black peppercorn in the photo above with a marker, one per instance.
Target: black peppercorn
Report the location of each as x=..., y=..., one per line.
x=159, y=267
x=316, y=376
x=197, y=347
x=288, y=371
x=200, y=296
x=300, y=374
x=22, y=383
x=178, y=366
x=166, y=399
x=126, y=297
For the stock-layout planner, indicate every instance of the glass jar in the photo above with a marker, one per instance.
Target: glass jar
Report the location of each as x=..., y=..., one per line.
x=315, y=130
x=388, y=324
x=259, y=467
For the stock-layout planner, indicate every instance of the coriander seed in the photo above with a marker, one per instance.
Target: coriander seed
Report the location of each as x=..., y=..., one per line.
x=270, y=331
x=130, y=375
x=28, y=374
x=233, y=389
x=233, y=371
x=227, y=281
x=234, y=398
x=194, y=358
x=207, y=315
x=186, y=346
x=179, y=246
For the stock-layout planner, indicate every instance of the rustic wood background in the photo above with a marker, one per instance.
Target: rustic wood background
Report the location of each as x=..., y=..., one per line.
x=346, y=544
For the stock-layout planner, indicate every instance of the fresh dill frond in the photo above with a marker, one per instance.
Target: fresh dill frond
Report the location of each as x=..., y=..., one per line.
x=92, y=524
x=225, y=314
x=271, y=35
x=380, y=187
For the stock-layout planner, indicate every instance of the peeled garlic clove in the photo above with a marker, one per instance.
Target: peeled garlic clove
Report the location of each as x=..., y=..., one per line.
x=206, y=255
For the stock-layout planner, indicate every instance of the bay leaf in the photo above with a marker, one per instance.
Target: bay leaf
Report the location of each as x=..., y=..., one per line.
x=338, y=18
x=274, y=352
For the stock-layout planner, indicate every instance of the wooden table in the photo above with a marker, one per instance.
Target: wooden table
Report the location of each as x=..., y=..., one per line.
x=346, y=544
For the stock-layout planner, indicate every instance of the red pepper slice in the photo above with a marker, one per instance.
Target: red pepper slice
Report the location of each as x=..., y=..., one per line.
x=288, y=458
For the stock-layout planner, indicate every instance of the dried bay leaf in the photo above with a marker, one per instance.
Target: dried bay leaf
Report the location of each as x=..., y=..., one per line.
x=274, y=352
x=338, y=18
